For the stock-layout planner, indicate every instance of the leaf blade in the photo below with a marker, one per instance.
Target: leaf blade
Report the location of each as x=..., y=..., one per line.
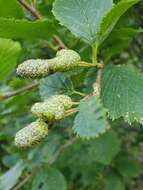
x=82, y=17
x=122, y=93
x=23, y=29
x=12, y=9
x=9, y=179
x=112, y=17
x=49, y=179
x=90, y=122
x=9, y=52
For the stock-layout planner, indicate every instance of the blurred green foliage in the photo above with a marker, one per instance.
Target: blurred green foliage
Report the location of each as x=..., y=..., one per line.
x=111, y=161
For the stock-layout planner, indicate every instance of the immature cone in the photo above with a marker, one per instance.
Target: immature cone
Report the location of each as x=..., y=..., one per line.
x=63, y=99
x=38, y=68
x=64, y=60
x=53, y=108
x=48, y=110
x=33, y=68
x=31, y=134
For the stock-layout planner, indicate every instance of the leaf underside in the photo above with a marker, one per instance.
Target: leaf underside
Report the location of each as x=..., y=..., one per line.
x=10, y=178
x=90, y=122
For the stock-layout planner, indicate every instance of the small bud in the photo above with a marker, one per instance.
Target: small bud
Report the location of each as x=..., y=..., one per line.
x=64, y=60
x=33, y=68
x=63, y=99
x=31, y=134
x=48, y=110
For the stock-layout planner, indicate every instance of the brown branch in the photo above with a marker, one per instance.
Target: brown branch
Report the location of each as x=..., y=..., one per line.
x=59, y=42
x=19, y=91
x=30, y=9
x=38, y=16
x=97, y=84
x=34, y=3
x=23, y=182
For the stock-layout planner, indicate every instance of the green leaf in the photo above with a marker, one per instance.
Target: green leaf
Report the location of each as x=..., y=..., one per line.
x=125, y=33
x=89, y=80
x=114, y=181
x=82, y=17
x=90, y=122
x=112, y=17
x=122, y=93
x=23, y=29
x=10, y=9
x=9, y=52
x=10, y=178
x=104, y=148
x=47, y=149
x=96, y=151
x=118, y=40
x=49, y=179
x=128, y=167
x=54, y=84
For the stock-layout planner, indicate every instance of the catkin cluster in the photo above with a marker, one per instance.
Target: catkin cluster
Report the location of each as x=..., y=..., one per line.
x=38, y=68
x=53, y=108
x=50, y=110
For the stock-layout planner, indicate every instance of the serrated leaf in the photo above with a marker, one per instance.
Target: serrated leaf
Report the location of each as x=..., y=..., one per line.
x=10, y=8
x=10, y=178
x=82, y=17
x=9, y=52
x=122, y=93
x=91, y=121
x=23, y=29
x=112, y=17
x=49, y=179
x=54, y=84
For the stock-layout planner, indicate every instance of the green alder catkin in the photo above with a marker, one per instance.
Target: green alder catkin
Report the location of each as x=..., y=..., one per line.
x=48, y=111
x=63, y=99
x=33, y=69
x=64, y=61
x=32, y=134
x=53, y=108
